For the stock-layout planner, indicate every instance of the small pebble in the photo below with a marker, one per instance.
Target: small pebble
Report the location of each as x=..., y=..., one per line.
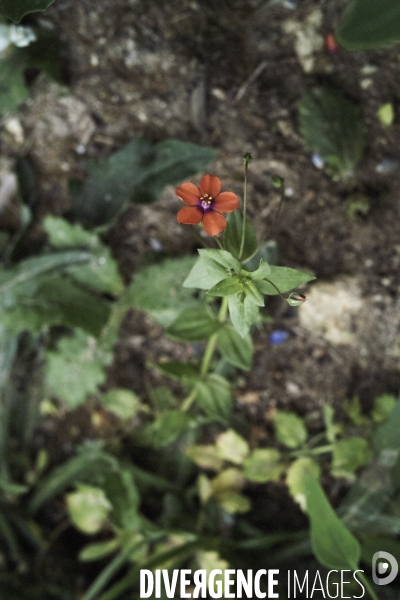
x=387, y=165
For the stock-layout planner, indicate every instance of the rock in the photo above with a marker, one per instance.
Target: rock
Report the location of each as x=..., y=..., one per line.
x=331, y=308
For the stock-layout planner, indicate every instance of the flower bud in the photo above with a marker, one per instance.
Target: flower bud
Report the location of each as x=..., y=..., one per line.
x=277, y=182
x=247, y=158
x=294, y=299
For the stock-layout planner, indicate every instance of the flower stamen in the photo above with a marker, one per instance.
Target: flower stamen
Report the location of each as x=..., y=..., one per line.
x=205, y=200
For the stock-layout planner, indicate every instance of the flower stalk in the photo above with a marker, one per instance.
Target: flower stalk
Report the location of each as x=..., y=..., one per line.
x=247, y=158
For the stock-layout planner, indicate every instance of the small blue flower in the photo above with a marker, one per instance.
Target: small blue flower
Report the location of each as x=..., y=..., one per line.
x=278, y=336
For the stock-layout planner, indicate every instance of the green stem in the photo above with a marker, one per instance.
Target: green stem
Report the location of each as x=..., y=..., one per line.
x=305, y=451
x=212, y=342
x=109, y=571
x=322, y=449
x=188, y=401
x=368, y=586
x=208, y=354
x=246, y=166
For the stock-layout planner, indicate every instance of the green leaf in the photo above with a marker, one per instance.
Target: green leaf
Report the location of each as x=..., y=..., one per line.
x=383, y=406
x=214, y=397
x=98, y=550
x=27, y=276
x=158, y=289
x=178, y=371
x=385, y=114
x=387, y=436
x=120, y=489
x=252, y=293
x=205, y=456
x=234, y=502
x=295, y=478
x=367, y=24
x=371, y=493
x=166, y=428
x=13, y=90
x=17, y=9
x=85, y=466
x=122, y=403
x=263, y=465
x=222, y=258
x=263, y=271
x=34, y=294
x=242, y=313
x=233, y=236
x=63, y=234
x=101, y=272
x=332, y=543
x=332, y=129
x=88, y=508
x=232, y=447
x=173, y=161
x=204, y=274
x=76, y=368
x=238, y=351
x=58, y=301
x=284, y=278
x=353, y=410
x=348, y=455
x=138, y=172
x=226, y=287
x=290, y=429
x=193, y=325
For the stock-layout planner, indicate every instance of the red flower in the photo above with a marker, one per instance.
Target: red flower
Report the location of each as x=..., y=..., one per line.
x=205, y=204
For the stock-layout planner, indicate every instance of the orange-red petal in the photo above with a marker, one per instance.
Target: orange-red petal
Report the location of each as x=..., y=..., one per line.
x=189, y=215
x=213, y=222
x=211, y=185
x=226, y=202
x=188, y=193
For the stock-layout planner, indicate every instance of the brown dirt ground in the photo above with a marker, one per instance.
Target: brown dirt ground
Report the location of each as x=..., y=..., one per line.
x=225, y=74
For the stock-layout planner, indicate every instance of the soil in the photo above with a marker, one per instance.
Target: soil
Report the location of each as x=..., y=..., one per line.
x=226, y=74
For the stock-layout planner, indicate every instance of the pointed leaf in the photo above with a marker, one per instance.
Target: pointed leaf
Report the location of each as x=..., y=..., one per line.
x=367, y=24
x=214, y=397
x=263, y=271
x=226, y=287
x=284, y=278
x=193, y=325
x=332, y=129
x=205, y=274
x=223, y=258
x=238, y=351
x=242, y=313
x=158, y=290
x=332, y=543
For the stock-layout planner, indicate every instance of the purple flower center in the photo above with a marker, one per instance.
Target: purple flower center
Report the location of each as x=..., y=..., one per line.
x=205, y=201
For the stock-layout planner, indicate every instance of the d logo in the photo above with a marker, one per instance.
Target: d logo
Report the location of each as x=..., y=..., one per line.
x=383, y=568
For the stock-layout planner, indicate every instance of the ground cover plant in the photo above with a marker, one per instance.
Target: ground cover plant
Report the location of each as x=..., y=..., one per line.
x=199, y=323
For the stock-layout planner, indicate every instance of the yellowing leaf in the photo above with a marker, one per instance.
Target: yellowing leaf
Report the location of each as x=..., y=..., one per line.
x=232, y=447
x=385, y=114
